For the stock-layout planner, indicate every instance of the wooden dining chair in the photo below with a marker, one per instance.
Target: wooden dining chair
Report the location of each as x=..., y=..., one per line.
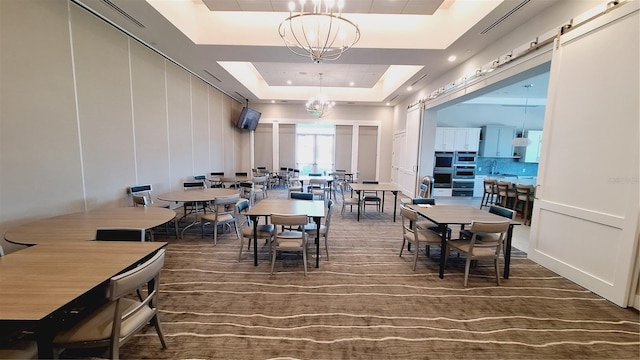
x=289, y=240
x=225, y=213
x=371, y=197
x=412, y=235
x=265, y=231
x=479, y=249
x=122, y=316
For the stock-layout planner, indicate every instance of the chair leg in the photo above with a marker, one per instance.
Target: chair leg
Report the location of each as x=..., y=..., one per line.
x=467, y=266
x=496, y=265
x=404, y=242
x=326, y=245
x=215, y=234
x=304, y=258
x=273, y=260
x=241, y=246
x=156, y=324
x=415, y=256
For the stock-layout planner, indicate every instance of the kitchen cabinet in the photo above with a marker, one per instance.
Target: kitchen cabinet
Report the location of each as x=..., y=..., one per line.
x=497, y=141
x=445, y=139
x=467, y=139
x=531, y=153
x=457, y=139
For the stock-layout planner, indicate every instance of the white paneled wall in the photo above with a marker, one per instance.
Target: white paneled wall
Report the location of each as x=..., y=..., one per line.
x=86, y=111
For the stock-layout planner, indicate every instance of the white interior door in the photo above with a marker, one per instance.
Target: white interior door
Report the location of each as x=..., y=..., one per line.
x=585, y=217
x=397, y=154
x=408, y=163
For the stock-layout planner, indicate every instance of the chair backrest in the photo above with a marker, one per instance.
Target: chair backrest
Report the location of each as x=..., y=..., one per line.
x=227, y=200
x=494, y=230
x=318, y=182
x=242, y=173
x=217, y=173
x=128, y=282
x=327, y=219
x=259, y=179
x=315, y=174
x=524, y=191
x=199, y=177
x=301, y=195
x=409, y=217
x=289, y=219
x=120, y=234
x=502, y=211
x=503, y=186
x=425, y=201
x=188, y=185
x=370, y=182
x=139, y=188
x=140, y=200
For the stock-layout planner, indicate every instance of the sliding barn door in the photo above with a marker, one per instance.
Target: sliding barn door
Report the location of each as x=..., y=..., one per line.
x=585, y=217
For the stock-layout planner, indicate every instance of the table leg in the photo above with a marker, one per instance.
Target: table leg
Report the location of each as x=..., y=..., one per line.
x=317, y=221
x=507, y=252
x=443, y=247
x=359, y=200
x=194, y=221
x=255, y=239
x=395, y=202
x=383, y=200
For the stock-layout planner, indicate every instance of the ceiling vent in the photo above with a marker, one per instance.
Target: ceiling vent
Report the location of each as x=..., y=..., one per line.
x=123, y=13
x=210, y=74
x=420, y=78
x=393, y=98
x=505, y=16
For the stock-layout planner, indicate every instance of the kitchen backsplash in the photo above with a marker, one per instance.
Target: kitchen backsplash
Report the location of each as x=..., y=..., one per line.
x=505, y=166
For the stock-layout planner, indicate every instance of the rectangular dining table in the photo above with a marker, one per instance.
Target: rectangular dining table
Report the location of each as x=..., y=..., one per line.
x=360, y=187
x=41, y=283
x=445, y=215
x=266, y=207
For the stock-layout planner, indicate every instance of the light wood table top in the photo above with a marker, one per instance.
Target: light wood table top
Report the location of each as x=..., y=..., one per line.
x=266, y=207
x=208, y=194
x=82, y=226
x=39, y=280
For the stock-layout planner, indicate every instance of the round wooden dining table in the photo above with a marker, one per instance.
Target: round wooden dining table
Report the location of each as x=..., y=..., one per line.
x=82, y=226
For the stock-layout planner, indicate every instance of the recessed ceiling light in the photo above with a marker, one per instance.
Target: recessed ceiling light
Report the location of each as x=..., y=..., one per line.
x=388, y=104
x=289, y=82
x=409, y=88
x=351, y=83
x=452, y=58
x=273, y=101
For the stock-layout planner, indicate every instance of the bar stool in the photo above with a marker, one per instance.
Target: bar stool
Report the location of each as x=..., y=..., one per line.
x=490, y=193
x=524, y=199
x=506, y=195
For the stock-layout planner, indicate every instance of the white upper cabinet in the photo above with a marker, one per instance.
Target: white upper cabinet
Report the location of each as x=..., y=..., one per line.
x=531, y=153
x=457, y=139
x=467, y=139
x=497, y=141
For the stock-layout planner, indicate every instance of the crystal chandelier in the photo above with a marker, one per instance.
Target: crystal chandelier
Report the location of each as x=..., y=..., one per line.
x=320, y=33
x=320, y=105
x=522, y=140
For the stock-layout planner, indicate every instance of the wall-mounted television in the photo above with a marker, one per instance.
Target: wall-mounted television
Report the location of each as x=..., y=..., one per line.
x=248, y=119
